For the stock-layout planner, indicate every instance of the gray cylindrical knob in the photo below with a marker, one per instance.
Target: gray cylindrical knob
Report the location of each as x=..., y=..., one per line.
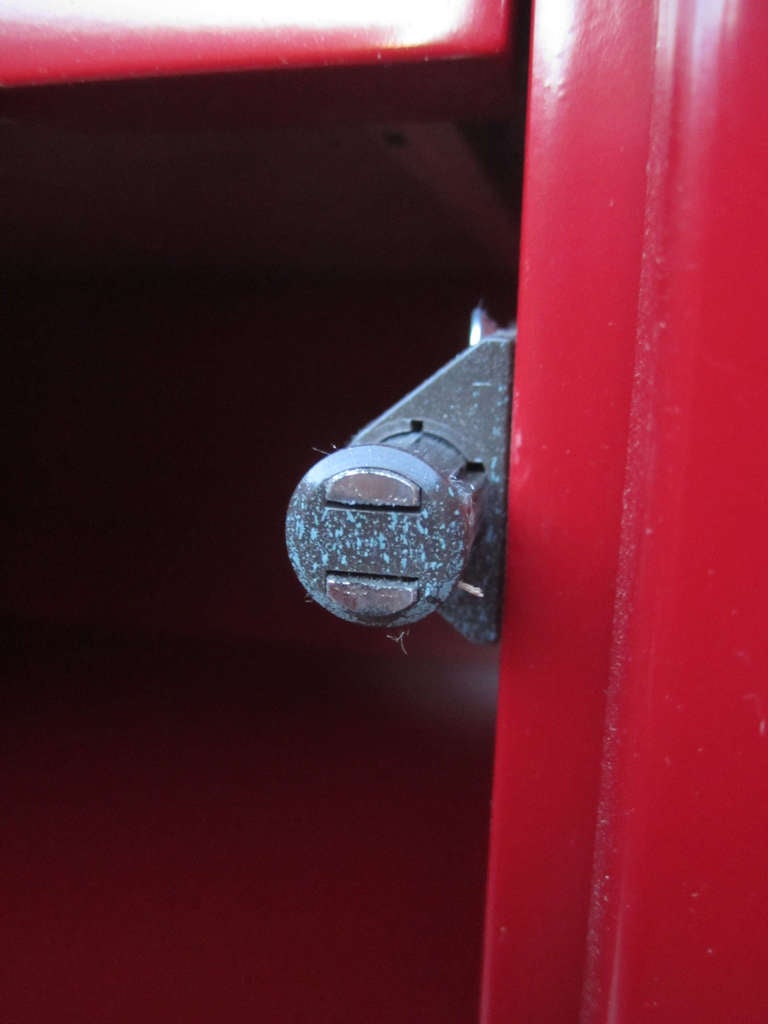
x=380, y=534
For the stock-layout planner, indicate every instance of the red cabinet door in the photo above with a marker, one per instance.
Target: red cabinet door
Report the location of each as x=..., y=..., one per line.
x=627, y=877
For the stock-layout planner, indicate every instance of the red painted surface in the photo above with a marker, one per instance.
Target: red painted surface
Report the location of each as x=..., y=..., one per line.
x=198, y=831
x=680, y=907
x=45, y=41
x=627, y=880
x=639, y=499
x=580, y=260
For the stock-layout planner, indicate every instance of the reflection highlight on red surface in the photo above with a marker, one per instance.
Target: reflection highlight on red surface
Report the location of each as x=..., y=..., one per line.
x=404, y=22
x=44, y=41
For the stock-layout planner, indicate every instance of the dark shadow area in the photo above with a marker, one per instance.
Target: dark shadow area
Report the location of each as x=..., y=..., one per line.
x=220, y=802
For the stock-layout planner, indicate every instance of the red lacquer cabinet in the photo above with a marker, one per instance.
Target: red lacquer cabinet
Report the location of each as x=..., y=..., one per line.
x=231, y=238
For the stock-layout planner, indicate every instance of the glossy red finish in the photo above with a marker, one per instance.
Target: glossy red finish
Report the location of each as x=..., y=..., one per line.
x=639, y=500
x=680, y=906
x=45, y=41
x=580, y=261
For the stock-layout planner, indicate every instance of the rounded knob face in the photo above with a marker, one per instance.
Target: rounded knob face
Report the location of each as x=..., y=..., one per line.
x=377, y=535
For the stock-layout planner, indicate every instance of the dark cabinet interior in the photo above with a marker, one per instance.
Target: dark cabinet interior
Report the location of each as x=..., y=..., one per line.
x=222, y=802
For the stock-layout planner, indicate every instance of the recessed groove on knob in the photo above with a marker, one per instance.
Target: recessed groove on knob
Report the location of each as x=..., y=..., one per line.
x=372, y=488
x=371, y=596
